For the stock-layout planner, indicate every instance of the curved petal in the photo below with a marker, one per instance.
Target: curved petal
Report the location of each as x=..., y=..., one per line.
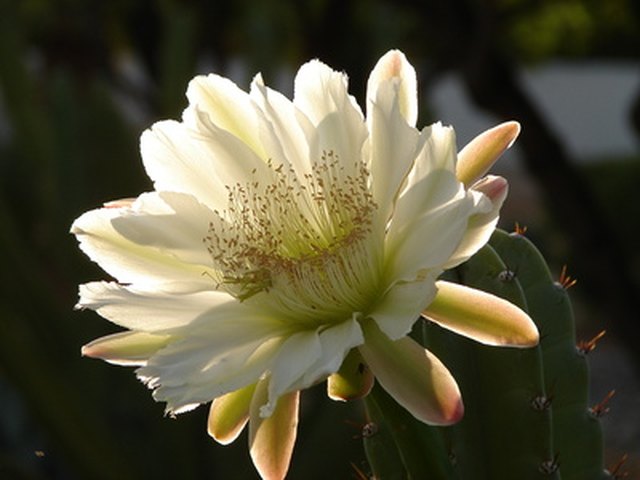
x=282, y=128
x=413, y=376
x=339, y=130
x=126, y=348
x=225, y=349
x=402, y=305
x=202, y=163
x=173, y=223
x=229, y=414
x=307, y=357
x=430, y=239
x=392, y=146
x=226, y=105
x=481, y=225
x=394, y=65
x=481, y=316
x=271, y=439
x=431, y=180
x=477, y=157
x=149, y=310
x=128, y=261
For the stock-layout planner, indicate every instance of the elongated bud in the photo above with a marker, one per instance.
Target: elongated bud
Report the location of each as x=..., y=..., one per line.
x=354, y=379
x=229, y=414
x=477, y=157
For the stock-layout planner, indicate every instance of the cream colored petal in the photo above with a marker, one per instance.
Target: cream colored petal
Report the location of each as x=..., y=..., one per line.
x=271, y=439
x=173, y=224
x=481, y=225
x=431, y=180
x=224, y=350
x=296, y=355
x=428, y=240
x=413, y=376
x=227, y=107
x=149, y=310
x=477, y=157
x=392, y=147
x=201, y=163
x=481, y=316
x=320, y=91
x=126, y=348
x=402, y=305
x=130, y=262
x=393, y=65
x=229, y=414
x=282, y=128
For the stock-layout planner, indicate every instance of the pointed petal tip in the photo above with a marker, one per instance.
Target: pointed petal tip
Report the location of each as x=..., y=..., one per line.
x=481, y=316
x=477, y=157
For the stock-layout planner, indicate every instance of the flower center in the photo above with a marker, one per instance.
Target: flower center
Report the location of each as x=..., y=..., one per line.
x=306, y=241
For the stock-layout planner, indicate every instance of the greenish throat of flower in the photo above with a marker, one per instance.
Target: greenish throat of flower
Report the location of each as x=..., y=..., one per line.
x=304, y=241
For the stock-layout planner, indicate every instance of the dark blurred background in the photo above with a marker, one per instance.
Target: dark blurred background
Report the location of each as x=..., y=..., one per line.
x=80, y=80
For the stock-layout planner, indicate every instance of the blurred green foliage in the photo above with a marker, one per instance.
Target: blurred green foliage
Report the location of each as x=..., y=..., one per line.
x=71, y=113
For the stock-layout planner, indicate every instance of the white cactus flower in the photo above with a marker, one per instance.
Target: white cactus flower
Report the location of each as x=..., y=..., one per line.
x=283, y=235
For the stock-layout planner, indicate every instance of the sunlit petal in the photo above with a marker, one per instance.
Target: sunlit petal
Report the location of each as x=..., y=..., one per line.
x=481, y=316
x=413, y=376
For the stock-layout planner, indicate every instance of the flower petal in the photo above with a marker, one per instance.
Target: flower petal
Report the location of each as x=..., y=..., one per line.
x=392, y=146
x=402, y=305
x=413, y=376
x=394, y=65
x=481, y=316
x=229, y=414
x=201, y=163
x=150, y=310
x=477, y=157
x=129, y=262
x=481, y=225
x=227, y=107
x=126, y=348
x=271, y=439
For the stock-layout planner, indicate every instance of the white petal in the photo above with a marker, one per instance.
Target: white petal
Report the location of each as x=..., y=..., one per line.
x=394, y=65
x=402, y=305
x=227, y=107
x=335, y=343
x=319, y=91
x=201, y=163
x=126, y=348
x=321, y=94
x=297, y=353
x=429, y=239
x=148, y=310
x=392, y=147
x=481, y=225
x=281, y=131
x=223, y=351
x=174, y=224
x=129, y=262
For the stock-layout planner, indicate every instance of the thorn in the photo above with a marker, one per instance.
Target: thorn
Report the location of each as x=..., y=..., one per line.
x=601, y=409
x=587, y=346
x=616, y=472
x=519, y=229
x=565, y=281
